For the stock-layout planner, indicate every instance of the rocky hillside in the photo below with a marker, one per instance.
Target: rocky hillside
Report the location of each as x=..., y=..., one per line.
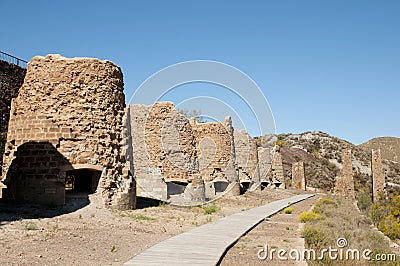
x=322, y=154
x=390, y=147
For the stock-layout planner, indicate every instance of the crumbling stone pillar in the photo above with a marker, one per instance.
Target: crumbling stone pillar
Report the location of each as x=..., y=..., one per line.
x=164, y=148
x=378, y=177
x=231, y=172
x=298, y=175
x=277, y=175
x=216, y=147
x=69, y=115
x=246, y=157
x=344, y=184
x=265, y=157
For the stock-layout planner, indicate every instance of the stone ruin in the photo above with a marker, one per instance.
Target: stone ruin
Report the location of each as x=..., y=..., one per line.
x=344, y=183
x=246, y=159
x=70, y=132
x=276, y=176
x=298, y=175
x=66, y=134
x=217, y=156
x=378, y=176
x=164, y=150
x=265, y=157
x=174, y=156
x=67, y=130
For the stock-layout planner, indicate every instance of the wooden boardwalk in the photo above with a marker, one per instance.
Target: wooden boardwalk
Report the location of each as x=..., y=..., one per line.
x=206, y=244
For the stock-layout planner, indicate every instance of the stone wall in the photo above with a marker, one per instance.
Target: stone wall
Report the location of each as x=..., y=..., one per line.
x=11, y=79
x=344, y=183
x=216, y=148
x=276, y=176
x=69, y=115
x=168, y=147
x=214, y=143
x=265, y=157
x=170, y=142
x=378, y=177
x=246, y=157
x=298, y=175
x=164, y=148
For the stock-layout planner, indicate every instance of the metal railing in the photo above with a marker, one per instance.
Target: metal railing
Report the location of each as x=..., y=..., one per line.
x=13, y=60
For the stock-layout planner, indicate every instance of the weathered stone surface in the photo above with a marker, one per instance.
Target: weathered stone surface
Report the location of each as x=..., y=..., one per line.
x=276, y=175
x=298, y=175
x=170, y=142
x=69, y=114
x=344, y=183
x=195, y=191
x=167, y=147
x=378, y=177
x=213, y=143
x=164, y=148
x=246, y=157
x=216, y=148
x=11, y=79
x=265, y=157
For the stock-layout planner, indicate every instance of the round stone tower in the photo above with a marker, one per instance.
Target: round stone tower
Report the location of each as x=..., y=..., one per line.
x=66, y=134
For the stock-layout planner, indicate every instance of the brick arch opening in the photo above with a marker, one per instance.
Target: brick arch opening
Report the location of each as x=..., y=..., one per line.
x=176, y=188
x=264, y=184
x=244, y=186
x=220, y=186
x=82, y=181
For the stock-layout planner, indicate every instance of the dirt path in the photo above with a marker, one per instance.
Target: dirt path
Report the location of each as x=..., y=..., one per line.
x=93, y=235
x=281, y=231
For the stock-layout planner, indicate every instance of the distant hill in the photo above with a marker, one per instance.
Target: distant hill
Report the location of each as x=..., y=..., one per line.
x=322, y=155
x=390, y=147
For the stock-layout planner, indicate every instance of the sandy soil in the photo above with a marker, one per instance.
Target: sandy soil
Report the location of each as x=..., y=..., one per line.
x=281, y=231
x=94, y=235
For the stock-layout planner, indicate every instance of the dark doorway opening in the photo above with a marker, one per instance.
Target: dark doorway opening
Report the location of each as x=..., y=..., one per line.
x=175, y=188
x=264, y=185
x=244, y=186
x=220, y=186
x=82, y=181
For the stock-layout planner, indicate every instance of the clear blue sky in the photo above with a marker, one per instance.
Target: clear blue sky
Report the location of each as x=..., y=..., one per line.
x=332, y=66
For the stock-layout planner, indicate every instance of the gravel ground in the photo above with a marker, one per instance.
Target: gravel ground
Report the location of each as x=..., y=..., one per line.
x=281, y=231
x=81, y=234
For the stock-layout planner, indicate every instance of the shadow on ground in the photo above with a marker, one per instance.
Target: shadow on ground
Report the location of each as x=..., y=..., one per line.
x=11, y=211
x=142, y=203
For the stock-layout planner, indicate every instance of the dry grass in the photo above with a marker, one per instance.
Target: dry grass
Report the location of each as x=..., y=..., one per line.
x=341, y=219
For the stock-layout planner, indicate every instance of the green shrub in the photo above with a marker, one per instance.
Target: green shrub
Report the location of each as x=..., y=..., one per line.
x=288, y=210
x=31, y=226
x=385, y=214
x=364, y=200
x=210, y=209
x=332, y=167
x=280, y=143
x=390, y=226
x=326, y=201
x=314, y=237
x=305, y=217
x=142, y=217
x=163, y=204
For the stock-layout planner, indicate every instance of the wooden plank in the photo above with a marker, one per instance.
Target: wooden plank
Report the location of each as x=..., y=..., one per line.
x=204, y=245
